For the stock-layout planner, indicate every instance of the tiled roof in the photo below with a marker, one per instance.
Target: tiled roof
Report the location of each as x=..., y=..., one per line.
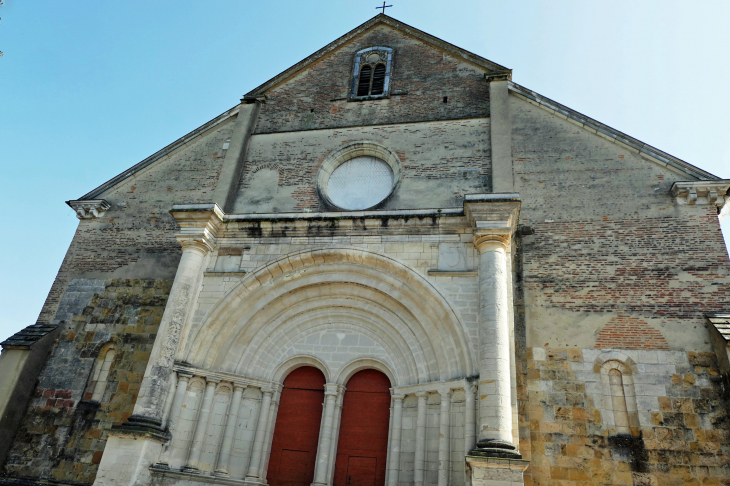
x=28, y=336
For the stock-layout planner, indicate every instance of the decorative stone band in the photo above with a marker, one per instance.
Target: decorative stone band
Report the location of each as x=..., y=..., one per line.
x=90, y=208
x=714, y=193
x=236, y=380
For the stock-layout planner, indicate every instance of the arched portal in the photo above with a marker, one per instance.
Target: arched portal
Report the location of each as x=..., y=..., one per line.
x=309, y=303
x=296, y=432
x=362, y=447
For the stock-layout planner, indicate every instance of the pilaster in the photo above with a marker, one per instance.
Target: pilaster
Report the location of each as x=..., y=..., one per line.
x=225, y=190
x=500, y=122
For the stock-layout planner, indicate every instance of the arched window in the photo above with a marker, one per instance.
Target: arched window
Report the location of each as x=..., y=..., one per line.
x=99, y=376
x=372, y=72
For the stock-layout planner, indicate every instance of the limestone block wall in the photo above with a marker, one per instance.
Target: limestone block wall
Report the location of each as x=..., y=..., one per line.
x=317, y=96
x=63, y=434
x=420, y=252
x=243, y=433
x=568, y=431
x=441, y=162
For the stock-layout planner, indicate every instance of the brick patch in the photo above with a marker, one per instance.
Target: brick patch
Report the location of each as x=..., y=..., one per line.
x=630, y=333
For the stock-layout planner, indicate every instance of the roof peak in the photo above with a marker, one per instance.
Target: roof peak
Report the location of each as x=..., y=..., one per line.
x=380, y=18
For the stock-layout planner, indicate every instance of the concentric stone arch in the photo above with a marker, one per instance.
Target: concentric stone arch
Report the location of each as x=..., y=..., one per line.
x=419, y=336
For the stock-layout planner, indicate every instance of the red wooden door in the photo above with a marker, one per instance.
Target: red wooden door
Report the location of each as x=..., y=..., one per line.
x=361, y=471
x=296, y=432
x=362, y=448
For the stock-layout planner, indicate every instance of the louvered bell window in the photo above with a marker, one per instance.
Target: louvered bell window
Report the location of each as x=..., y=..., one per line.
x=372, y=72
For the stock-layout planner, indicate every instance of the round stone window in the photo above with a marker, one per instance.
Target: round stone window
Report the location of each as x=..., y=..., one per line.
x=360, y=183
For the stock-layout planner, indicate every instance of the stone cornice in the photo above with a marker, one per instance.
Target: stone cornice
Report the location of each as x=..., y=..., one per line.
x=199, y=225
x=494, y=218
x=714, y=192
x=236, y=380
x=203, y=224
x=89, y=208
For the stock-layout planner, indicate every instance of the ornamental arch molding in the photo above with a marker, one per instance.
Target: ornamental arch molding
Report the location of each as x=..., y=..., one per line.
x=404, y=325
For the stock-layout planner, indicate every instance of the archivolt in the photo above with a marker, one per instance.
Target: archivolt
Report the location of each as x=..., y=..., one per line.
x=349, y=288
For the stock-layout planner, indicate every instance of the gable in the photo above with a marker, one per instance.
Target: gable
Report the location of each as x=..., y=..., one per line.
x=421, y=76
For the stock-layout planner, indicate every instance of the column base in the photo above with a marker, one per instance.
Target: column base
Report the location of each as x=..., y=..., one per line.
x=141, y=425
x=495, y=471
x=496, y=448
x=127, y=458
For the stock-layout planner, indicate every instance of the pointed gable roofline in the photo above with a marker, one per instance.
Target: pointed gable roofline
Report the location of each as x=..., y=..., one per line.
x=457, y=52
x=495, y=70
x=609, y=133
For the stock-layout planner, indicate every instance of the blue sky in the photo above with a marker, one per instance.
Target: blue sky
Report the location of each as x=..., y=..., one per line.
x=89, y=88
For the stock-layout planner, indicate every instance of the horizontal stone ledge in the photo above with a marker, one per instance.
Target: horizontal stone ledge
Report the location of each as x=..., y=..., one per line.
x=225, y=274
x=453, y=273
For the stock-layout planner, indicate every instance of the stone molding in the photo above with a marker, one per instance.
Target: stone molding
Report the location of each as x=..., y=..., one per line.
x=350, y=151
x=494, y=218
x=199, y=226
x=89, y=208
x=433, y=387
x=698, y=193
x=219, y=376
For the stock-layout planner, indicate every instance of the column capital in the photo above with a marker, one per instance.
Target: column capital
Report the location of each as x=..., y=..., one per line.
x=267, y=391
x=494, y=218
x=421, y=394
x=238, y=386
x=333, y=389
x=212, y=381
x=398, y=397
x=184, y=375
x=199, y=225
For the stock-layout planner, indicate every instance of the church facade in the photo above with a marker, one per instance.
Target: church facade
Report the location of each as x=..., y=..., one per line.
x=388, y=265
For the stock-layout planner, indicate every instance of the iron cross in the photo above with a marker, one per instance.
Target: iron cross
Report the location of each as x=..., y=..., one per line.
x=383, y=7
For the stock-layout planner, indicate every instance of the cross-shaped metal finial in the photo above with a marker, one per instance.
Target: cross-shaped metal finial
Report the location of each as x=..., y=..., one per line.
x=383, y=7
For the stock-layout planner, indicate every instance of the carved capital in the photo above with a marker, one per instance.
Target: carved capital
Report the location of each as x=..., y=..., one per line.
x=486, y=240
x=90, y=208
x=494, y=218
x=333, y=389
x=702, y=192
x=199, y=225
x=202, y=244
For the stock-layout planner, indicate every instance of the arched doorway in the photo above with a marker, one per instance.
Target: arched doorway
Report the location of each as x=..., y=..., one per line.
x=362, y=448
x=296, y=432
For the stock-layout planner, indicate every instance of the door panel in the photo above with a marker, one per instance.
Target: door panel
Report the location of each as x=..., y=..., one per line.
x=363, y=441
x=293, y=468
x=361, y=471
x=296, y=430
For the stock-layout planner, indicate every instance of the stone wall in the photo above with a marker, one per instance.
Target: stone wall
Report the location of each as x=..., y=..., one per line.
x=568, y=431
x=63, y=434
x=441, y=162
x=317, y=96
x=134, y=239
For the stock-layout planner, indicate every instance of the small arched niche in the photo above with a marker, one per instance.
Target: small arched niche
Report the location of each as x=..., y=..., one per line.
x=619, y=399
